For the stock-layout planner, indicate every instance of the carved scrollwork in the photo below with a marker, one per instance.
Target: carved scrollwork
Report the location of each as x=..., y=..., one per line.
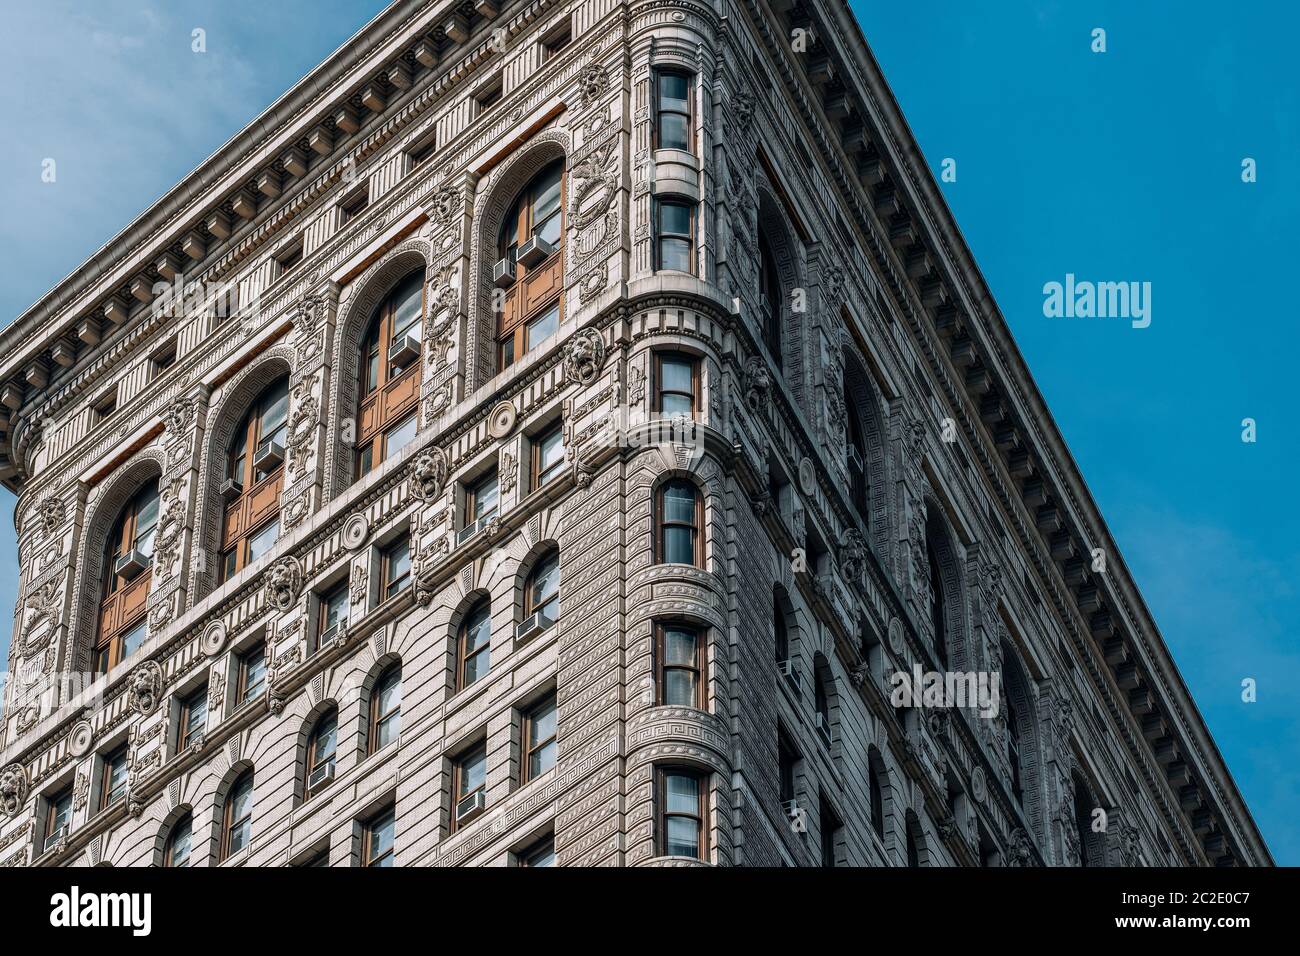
x=283, y=582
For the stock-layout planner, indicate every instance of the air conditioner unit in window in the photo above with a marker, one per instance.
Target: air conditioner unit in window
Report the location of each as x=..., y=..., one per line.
x=855, y=459
x=56, y=838
x=332, y=634
x=823, y=725
x=131, y=564
x=471, y=806
x=320, y=776
x=269, y=455
x=467, y=532
x=534, y=252
x=503, y=274
x=790, y=671
x=231, y=489
x=405, y=350
x=532, y=625
x=790, y=808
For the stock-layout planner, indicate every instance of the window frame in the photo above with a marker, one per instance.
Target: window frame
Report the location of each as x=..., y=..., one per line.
x=656, y=129
x=369, y=830
x=314, y=761
x=536, y=475
x=462, y=643
x=391, y=587
x=124, y=536
x=476, y=488
x=228, y=821
x=660, y=235
x=107, y=762
x=522, y=212
x=528, y=748
x=184, y=736
x=169, y=844
x=531, y=605
x=528, y=854
x=376, y=719
x=323, y=601
x=243, y=688
x=662, y=667
x=378, y=337
x=661, y=523
x=458, y=779
x=693, y=361
x=701, y=778
x=57, y=804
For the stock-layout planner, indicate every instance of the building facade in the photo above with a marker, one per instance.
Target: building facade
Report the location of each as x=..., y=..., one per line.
x=541, y=437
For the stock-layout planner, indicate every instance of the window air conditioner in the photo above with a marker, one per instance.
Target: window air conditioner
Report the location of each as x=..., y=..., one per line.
x=269, y=455
x=532, y=625
x=534, y=252
x=131, y=564
x=471, y=806
x=405, y=350
x=503, y=274
x=231, y=489
x=320, y=776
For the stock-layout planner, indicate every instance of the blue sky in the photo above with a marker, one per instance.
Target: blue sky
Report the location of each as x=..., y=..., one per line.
x=1116, y=166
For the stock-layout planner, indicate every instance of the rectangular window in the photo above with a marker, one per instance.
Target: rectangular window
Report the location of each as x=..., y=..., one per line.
x=333, y=613
x=540, y=726
x=162, y=360
x=354, y=205
x=395, y=568
x=58, y=813
x=675, y=236
x=541, y=328
x=681, y=806
x=677, y=384
x=487, y=96
x=252, y=674
x=673, y=128
x=113, y=784
x=193, y=719
x=399, y=436
x=830, y=831
x=540, y=854
x=263, y=539
x=482, y=499
x=555, y=41
x=548, y=456
x=679, y=665
x=787, y=762
x=469, y=786
x=286, y=259
x=377, y=844
x=106, y=406
x=422, y=151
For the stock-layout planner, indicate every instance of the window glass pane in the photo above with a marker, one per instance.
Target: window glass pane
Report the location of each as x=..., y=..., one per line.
x=675, y=255
x=62, y=812
x=679, y=502
x=549, y=228
x=551, y=451
x=477, y=665
x=326, y=738
x=674, y=92
x=541, y=724
x=261, y=541
x=546, y=324
x=679, y=647
x=254, y=673
x=381, y=839
x=674, y=219
x=683, y=837
x=178, y=848
x=336, y=608
x=674, y=131
x=196, y=713
x=547, y=201
x=399, y=436
x=679, y=548
x=683, y=793
x=276, y=413
x=399, y=562
x=116, y=777
x=676, y=376
x=133, y=638
x=542, y=759
x=674, y=405
x=679, y=688
x=473, y=773
x=390, y=693
x=486, y=497
x=407, y=311
x=372, y=371
x=478, y=628
x=546, y=581
x=542, y=856
x=147, y=516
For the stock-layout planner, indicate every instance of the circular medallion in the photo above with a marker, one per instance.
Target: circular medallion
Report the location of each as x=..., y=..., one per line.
x=502, y=420
x=80, y=738
x=214, y=639
x=896, y=642
x=355, y=531
x=978, y=790
x=807, y=476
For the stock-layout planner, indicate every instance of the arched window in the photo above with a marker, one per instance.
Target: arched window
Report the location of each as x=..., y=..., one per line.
x=1091, y=851
x=253, y=480
x=474, y=645
x=176, y=850
x=530, y=266
x=875, y=777
x=780, y=628
x=237, y=816
x=542, y=591
x=821, y=701
x=1013, y=751
x=913, y=840
x=936, y=609
x=1021, y=733
x=856, y=451
x=124, y=585
x=682, y=812
x=321, y=747
x=680, y=516
x=679, y=665
x=389, y=375
x=769, y=288
x=385, y=709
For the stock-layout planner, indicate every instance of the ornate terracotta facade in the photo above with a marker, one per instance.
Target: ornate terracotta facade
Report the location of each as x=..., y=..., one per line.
x=972, y=513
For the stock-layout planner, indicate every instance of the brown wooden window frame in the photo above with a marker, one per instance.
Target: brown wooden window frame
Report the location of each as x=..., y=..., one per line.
x=324, y=600
x=376, y=718
x=531, y=604
x=528, y=854
x=390, y=587
x=60, y=800
x=458, y=779
x=250, y=432
x=169, y=845
x=662, y=773
x=184, y=736
x=661, y=523
x=315, y=760
x=696, y=668
x=483, y=605
x=107, y=762
x=228, y=820
x=372, y=440
x=691, y=237
x=512, y=329
x=769, y=291
x=526, y=733
x=536, y=475
x=369, y=832
x=242, y=687
x=656, y=133
x=694, y=395
x=124, y=536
